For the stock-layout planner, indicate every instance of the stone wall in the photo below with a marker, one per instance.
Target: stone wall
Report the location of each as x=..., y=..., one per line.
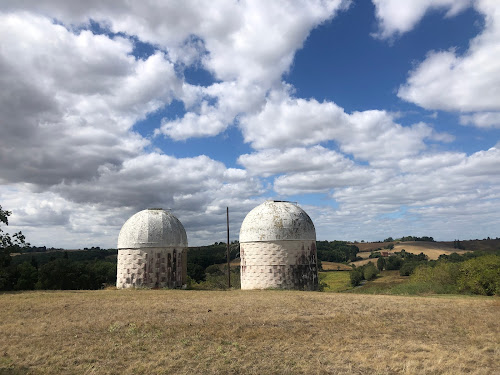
x=279, y=264
x=151, y=268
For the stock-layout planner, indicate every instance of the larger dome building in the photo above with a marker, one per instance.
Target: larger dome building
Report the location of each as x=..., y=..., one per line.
x=152, y=251
x=278, y=248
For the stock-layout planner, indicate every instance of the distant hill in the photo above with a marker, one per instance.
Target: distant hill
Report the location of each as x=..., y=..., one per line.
x=432, y=249
x=487, y=245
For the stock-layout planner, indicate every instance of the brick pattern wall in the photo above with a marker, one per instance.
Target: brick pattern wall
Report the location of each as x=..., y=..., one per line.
x=279, y=264
x=151, y=268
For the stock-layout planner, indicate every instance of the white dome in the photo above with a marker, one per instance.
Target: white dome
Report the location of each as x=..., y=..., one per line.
x=277, y=220
x=153, y=227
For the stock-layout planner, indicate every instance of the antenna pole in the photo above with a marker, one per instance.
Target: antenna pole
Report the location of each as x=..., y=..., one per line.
x=228, y=259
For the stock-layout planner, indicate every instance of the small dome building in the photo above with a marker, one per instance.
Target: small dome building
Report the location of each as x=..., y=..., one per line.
x=152, y=251
x=278, y=248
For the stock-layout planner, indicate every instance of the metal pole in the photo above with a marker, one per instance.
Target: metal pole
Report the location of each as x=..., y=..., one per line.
x=228, y=259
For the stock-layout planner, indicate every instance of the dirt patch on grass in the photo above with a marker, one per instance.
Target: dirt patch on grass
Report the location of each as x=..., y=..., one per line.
x=246, y=332
x=332, y=266
x=365, y=261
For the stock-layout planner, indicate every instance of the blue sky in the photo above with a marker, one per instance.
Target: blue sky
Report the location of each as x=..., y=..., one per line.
x=379, y=118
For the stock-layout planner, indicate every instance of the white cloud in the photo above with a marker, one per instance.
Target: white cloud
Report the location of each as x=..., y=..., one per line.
x=73, y=169
x=429, y=162
x=396, y=17
x=72, y=103
x=197, y=190
x=206, y=119
x=369, y=135
x=425, y=194
x=470, y=81
x=482, y=119
x=247, y=44
x=306, y=170
x=449, y=179
x=274, y=161
x=250, y=58
x=286, y=122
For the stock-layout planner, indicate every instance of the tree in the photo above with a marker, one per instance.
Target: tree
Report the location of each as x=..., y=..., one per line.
x=394, y=262
x=356, y=276
x=27, y=277
x=370, y=271
x=8, y=245
x=480, y=275
x=380, y=263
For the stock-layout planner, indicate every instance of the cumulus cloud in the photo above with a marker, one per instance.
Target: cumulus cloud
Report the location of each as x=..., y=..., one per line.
x=298, y=159
x=306, y=170
x=482, y=119
x=470, y=81
x=68, y=144
x=427, y=181
x=250, y=58
x=395, y=19
x=75, y=169
x=246, y=44
x=207, y=119
x=197, y=190
x=71, y=104
x=373, y=135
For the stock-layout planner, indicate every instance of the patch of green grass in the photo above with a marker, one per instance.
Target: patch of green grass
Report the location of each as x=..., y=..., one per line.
x=419, y=288
x=390, y=282
x=382, y=284
x=335, y=281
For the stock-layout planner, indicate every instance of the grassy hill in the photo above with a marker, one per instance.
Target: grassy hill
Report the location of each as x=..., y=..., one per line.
x=245, y=332
x=432, y=249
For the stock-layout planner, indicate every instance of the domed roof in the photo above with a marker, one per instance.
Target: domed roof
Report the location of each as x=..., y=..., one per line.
x=277, y=220
x=153, y=227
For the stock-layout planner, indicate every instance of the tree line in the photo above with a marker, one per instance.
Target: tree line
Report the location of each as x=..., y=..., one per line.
x=337, y=251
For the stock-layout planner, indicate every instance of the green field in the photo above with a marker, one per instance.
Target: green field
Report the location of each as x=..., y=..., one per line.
x=335, y=281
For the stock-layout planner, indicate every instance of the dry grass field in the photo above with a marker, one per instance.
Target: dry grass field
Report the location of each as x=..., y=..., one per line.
x=246, y=332
x=333, y=266
x=432, y=249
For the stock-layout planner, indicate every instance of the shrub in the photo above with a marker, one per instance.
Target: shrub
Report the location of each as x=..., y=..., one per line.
x=218, y=282
x=394, y=262
x=442, y=273
x=480, y=275
x=196, y=272
x=408, y=267
x=370, y=271
x=356, y=276
x=441, y=279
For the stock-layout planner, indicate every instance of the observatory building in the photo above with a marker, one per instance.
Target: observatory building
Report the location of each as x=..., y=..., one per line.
x=278, y=248
x=152, y=251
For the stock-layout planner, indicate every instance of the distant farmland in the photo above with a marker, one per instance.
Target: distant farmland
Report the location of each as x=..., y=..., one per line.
x=432, y=249
x=246, y=332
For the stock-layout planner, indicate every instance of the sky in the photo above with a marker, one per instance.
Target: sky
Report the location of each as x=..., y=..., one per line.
x=379, y=118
